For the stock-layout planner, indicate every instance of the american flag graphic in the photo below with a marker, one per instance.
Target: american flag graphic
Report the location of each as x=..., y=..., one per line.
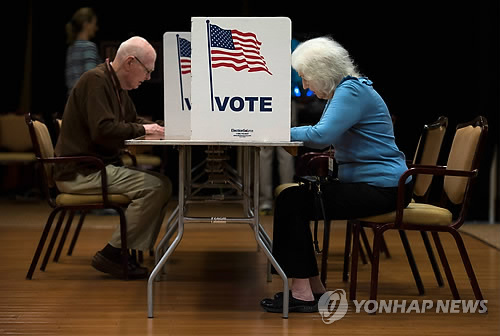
x=185, y=55
x=235, y=49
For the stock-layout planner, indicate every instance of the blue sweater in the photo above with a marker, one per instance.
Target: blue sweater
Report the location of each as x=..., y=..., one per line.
x=81, y=56
x=357, y=123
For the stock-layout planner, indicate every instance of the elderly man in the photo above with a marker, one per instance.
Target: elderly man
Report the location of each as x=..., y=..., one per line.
x=98, y=117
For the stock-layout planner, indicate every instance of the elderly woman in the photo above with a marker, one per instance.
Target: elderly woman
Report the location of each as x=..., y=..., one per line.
x=357, y=123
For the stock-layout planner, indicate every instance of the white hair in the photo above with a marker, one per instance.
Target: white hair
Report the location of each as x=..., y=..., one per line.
x=323, y=61
x=134, y=46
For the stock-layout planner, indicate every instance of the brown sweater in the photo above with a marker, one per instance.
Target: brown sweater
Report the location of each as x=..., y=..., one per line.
x=94, y=124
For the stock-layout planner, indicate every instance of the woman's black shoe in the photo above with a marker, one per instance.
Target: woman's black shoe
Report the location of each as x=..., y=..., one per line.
x=294, y=305
x=318, y=296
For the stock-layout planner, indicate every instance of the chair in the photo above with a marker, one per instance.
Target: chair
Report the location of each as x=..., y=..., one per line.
x=129, y=159
x=15, y=150
x=14, y=138
x=63, y=202
x=459, y=176
x=427, y=153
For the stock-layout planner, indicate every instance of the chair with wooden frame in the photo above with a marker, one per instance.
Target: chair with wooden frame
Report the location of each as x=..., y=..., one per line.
x=128, y=159
x=458, y=179
x=427, y=153
x=64, y=202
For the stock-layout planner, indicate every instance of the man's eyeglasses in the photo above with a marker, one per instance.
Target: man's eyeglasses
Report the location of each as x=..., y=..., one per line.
x=147, y=70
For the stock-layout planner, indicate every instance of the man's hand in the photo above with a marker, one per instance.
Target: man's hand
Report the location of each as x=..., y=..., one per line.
x=154, y=129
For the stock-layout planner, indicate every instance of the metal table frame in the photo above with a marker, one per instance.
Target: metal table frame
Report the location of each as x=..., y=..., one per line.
x=251, y=166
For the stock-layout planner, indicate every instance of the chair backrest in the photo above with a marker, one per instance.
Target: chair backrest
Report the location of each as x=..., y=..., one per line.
x=42, y=146
x=427, y=153
x=464, y=154
x=14, y=136
x=57, y=127
x=44, y=140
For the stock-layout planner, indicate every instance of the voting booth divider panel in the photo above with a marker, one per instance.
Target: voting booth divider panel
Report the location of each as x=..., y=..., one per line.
x=177, y=85
x=229, y=80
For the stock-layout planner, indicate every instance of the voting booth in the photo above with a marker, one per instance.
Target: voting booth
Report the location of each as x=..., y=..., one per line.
x=227, y=85
x=177, y=84
x=229, y=80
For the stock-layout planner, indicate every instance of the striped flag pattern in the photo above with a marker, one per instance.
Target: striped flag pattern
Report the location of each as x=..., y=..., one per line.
x=185, y=55
x=237, y=50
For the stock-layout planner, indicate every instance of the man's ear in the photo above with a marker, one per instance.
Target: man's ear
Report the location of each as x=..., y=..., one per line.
x=129, y=61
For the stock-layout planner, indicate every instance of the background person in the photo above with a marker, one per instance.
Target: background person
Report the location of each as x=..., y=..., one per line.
x=81, y=54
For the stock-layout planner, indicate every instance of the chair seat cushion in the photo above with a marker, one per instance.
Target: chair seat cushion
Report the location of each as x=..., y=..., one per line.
x=415, y=213
x=64, y=199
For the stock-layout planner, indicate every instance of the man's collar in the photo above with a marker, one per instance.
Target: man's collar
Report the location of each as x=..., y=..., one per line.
x=112, y=73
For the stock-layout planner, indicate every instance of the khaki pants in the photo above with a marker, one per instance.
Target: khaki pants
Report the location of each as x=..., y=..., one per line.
x=148, y=191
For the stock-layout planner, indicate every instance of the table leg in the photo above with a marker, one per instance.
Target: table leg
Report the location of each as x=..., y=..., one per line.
x=258, y=228
x=170, y=227
x=180, y=231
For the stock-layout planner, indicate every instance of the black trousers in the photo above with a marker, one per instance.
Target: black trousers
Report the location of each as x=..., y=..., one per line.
x=295, y=208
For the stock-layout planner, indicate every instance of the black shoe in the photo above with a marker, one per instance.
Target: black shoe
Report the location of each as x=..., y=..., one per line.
x=318, y=296
x=103, y=264
x=294, y=305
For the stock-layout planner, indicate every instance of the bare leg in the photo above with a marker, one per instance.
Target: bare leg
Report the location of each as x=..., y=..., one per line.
x=301, y=289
